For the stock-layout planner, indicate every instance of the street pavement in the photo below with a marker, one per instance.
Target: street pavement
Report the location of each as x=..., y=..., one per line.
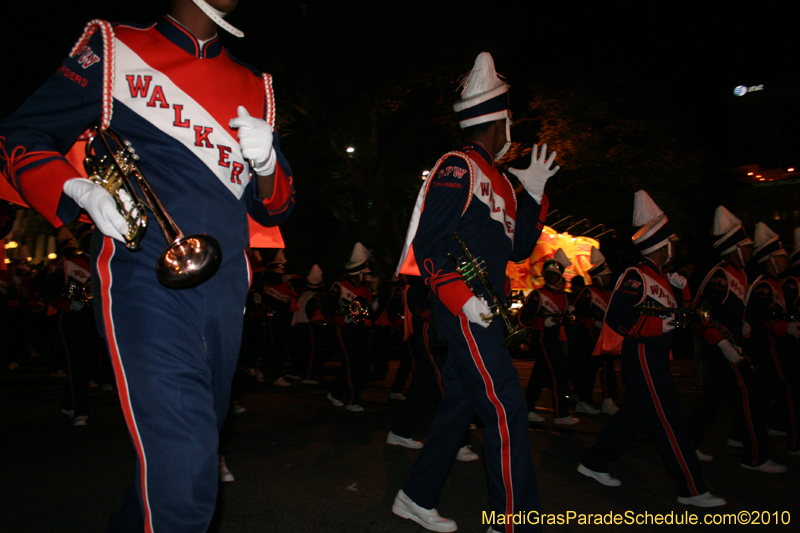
x=303, y=465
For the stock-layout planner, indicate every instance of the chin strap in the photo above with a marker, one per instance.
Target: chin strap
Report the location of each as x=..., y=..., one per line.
x=216, y=16
x=507, y=145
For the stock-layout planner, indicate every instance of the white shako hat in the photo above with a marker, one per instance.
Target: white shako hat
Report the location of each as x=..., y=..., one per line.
x=767, y=244
x=557, y=264
x=484, y=96
x=278, y=261
x=358, y=260
x=655, y=230
x=599, y=265
x=794, y=257
x=217, y=16
x=729, y=231
x=314, y=277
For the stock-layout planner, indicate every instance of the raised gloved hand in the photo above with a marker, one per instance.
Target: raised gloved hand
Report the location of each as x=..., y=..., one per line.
x=731, y=352
x=676, y=280
x=255, y=139
x=535, y=176
x=549, y=322
x=667, y=324
x=474, y=308
x=794, y=329
x=100, y=205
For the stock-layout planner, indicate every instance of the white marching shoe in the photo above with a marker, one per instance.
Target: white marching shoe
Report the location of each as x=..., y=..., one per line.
x=703, y=457
x=534, y=417
x=768, y=467
x=586, y=407
x=702, y=500
x=466, y=454
x=407, y=442
x=428, y=518
x=609, y=407
x=604, y=478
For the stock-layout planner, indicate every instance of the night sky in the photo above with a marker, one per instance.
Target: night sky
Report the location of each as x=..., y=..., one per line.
x=683, y=59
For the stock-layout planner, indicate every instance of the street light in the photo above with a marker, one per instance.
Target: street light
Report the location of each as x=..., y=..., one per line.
x=350, y=149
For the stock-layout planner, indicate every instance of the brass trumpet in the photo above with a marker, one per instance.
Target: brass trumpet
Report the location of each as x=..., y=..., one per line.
x=682, y=314
x=357, y=309
x=471, y=268
x=187, y=261
x=565, y=319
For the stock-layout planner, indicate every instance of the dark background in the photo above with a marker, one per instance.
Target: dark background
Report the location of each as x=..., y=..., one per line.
x=631, y=95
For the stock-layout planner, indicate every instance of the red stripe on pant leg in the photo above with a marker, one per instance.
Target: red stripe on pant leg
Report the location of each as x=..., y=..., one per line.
x=349, y=367
x=502, y=421
x=104, y=272
x=554, y=387
x=663, y=417
x=748, y=416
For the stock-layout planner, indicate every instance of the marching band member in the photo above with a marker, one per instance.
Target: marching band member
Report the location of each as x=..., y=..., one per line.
x=773, y=340
x=304, y=333
x=650, y=396
x=590, y=310
x=346, y=295
x=201, y=125
x=723, y=291
x=550, y=367
x=466, y=195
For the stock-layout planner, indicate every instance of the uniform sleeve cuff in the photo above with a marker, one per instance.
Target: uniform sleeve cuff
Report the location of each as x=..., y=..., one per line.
x=454, y=295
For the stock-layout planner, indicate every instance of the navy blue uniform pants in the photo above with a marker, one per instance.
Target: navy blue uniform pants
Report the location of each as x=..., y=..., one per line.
x=726, y=378
x=650, y=399
x=479, y=377
x=549, y=370
x=174, y=354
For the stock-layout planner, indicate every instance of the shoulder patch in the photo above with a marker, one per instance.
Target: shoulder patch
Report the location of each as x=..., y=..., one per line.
x=453, y=165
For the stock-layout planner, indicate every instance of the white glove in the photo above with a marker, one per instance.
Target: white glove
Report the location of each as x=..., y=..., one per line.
x=745, y=329
x=549, y=322
x=667, y=324
x=676, y=280
x=794, y=329
x=536, y=175
x=255, y=138
x=731, y=352
x=474, y=308
x=100, y=205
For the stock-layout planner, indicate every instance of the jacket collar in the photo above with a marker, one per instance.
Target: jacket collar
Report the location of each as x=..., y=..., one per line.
x=481, y=150
x=183, y=38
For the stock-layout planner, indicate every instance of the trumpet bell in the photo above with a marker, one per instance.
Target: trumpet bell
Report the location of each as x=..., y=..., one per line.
x=517, y=336
x=189, y=261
